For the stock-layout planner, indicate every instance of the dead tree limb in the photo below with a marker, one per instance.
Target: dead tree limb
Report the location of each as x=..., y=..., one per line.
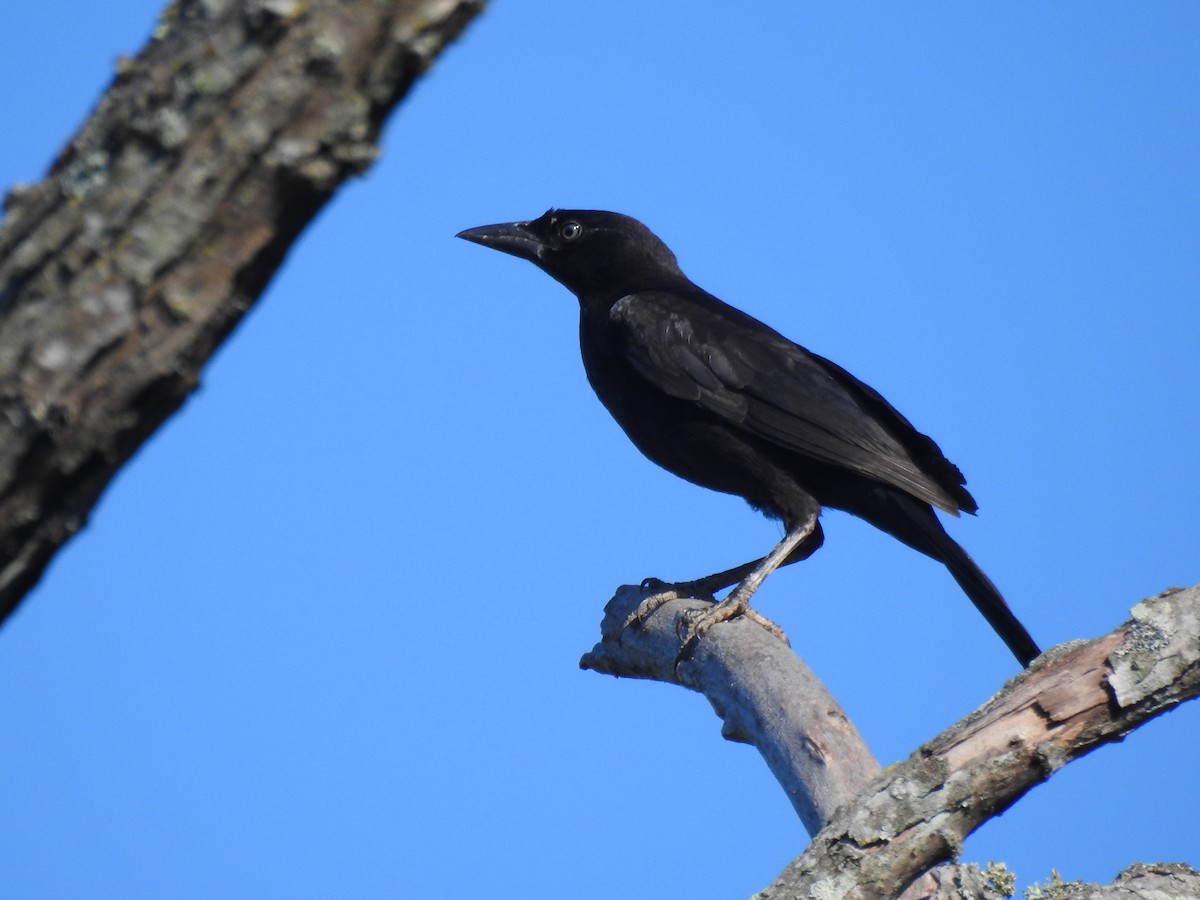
x=915, y=815
x=1156, y=881
x=162, y=221
x=765, y=694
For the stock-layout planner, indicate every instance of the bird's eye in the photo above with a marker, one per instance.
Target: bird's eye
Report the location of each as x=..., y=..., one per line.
x=571, y=230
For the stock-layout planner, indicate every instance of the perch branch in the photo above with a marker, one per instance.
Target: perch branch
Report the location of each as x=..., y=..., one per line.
x=765, y=694
x=1074, y=699
x=913, y=817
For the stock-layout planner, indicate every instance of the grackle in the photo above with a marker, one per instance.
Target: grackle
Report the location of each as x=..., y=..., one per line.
x=722, y=400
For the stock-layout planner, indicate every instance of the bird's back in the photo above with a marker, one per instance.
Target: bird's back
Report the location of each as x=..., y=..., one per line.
x=675, y=357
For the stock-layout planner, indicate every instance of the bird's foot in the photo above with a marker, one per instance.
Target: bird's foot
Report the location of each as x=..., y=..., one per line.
x=697, y=622
x=664, y=593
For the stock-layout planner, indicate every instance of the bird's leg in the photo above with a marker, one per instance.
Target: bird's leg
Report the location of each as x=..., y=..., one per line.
x=738, y=602
x=708, y=586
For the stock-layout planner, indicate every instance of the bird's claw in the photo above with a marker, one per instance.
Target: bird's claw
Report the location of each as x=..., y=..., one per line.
x=649, y=604
x=696, y=623
x=662, y=593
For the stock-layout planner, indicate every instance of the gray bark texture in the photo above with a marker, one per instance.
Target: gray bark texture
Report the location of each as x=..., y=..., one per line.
x=162, y=221
x=883, y=834
x=1161, y=881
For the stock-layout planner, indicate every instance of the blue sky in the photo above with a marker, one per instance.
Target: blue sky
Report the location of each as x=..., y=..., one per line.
x=320, y=638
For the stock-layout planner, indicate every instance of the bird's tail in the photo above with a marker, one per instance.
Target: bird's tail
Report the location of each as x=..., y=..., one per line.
x=924, y=532
x=988, y=600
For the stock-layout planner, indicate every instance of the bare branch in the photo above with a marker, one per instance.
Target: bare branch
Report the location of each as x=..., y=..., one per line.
x=1156, y=881
x=765, y=694
x=914, y=816
x=1073, y=699
x=163, y=220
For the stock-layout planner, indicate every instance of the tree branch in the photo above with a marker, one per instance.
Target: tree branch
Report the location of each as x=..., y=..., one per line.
x=916, y=814
x=162, y=221
x=1156, y=881
x=765, y=694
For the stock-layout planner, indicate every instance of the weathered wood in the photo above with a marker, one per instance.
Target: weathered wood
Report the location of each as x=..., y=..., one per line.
x=1073, y=699
x=766, y=695
x=1153, y=881
x=162, y=221
x=893, y=834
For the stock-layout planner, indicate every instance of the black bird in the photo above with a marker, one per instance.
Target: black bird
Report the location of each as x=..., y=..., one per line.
x=724, y=401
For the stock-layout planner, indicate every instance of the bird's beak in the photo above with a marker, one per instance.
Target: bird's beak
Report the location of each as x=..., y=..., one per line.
x=512, y=237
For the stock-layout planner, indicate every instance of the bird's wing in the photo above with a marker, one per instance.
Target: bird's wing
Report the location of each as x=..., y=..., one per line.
x=734, y=366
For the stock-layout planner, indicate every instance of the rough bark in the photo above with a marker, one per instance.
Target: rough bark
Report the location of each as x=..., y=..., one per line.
x=1157, y=881
x=899, y=825
x=1073, y=699
x=163, y=219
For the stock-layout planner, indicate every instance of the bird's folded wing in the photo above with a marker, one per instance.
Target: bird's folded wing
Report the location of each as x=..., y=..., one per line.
x=752, y=377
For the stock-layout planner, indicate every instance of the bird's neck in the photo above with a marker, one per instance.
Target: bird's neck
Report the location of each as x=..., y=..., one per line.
x=599, y=301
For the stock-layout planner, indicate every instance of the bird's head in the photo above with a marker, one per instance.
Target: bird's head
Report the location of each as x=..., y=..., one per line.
x=589, y=251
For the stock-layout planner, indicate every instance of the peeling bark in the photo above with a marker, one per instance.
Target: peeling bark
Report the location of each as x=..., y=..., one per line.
x=1072, y=700
x=897, y=826
x=162, y=221
x=1157, y=881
